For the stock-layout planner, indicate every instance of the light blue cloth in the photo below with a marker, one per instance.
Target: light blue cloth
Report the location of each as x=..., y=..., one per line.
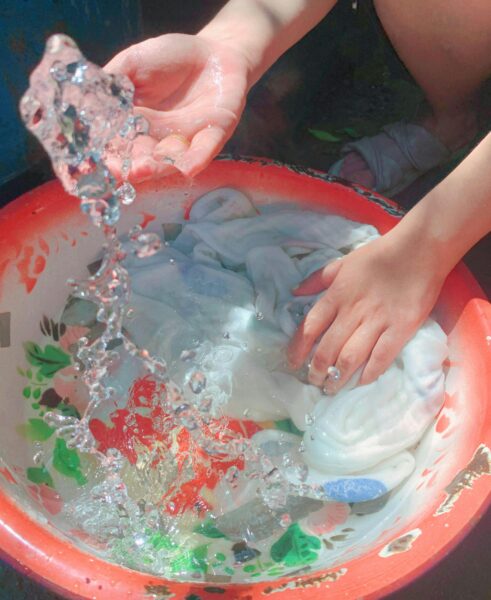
x=222, y=290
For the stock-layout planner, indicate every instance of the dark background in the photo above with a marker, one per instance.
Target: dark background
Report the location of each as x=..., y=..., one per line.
x=343, y=78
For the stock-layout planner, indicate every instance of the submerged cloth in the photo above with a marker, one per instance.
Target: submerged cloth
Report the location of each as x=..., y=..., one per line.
x=219, y=294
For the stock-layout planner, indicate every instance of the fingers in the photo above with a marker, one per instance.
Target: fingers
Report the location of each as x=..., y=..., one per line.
x=123, y=63
x=143, y=166
x=318, y=281
x=205, y=145
x=383, y=354
x=347, y=357
x=327, y=351
x=317, y=320
x=171, y=148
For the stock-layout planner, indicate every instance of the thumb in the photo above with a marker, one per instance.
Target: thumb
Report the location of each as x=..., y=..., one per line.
x=318, y=281
x=123, y=63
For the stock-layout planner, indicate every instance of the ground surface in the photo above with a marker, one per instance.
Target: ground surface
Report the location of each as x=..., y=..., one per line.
x=344, y=80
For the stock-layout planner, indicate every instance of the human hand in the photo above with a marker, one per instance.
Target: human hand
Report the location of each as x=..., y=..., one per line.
x=376, y=298
x=192, y=91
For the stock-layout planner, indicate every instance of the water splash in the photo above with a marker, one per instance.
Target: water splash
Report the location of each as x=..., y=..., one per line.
x=84, y=118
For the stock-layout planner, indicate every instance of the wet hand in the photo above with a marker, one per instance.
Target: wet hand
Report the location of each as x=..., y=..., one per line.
x=192, y=92
x=376, y=298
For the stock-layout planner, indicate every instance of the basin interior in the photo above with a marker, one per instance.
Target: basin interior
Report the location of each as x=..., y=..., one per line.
x=49, y=241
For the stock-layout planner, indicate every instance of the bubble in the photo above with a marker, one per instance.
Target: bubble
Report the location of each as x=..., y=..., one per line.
x=146, y=244
x=232, y=476
x=197, y=382
x=187, y=355
x=309, y=419
x=141, y=125
x=38, y=458
x=259, y=316
x=126, y=193
x=58, y=71
x=333, y=373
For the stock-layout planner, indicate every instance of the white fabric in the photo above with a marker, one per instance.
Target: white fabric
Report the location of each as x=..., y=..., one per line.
x=224, y=287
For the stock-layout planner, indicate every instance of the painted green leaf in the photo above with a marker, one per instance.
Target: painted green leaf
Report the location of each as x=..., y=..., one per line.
x=162, y=542
x=191, y=561
x=21, y=372
x=288, y=425
x=36, y=430
x=39, y=475
x=49, y=361
x=324, y=136
x=36, y=394
x=295, y=548
x=208, y=529
x=68, y=410
x=198, y=559
x=249, y=569
x=67, y=462
x=26, y=392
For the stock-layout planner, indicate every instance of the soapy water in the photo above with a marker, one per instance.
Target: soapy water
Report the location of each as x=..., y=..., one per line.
x=83, y=115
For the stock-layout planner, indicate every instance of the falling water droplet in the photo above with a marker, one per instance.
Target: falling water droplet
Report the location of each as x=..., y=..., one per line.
x=333, y=373
x=147, y=244
x=38, y=458
x=309, y=419
x=126, y=193
x=197, y=382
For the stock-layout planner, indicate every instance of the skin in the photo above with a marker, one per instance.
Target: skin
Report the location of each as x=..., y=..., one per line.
x=378, y=295
x=192, y=93
x=192, y=90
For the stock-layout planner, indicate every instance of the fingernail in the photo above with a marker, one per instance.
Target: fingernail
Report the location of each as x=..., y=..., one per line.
x=330, y=388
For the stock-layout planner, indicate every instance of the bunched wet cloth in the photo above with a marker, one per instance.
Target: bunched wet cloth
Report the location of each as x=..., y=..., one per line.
x=219, y=291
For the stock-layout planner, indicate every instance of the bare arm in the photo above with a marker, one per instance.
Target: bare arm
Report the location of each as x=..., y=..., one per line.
x=456, y=214
x=264, y=29
x=379, y=295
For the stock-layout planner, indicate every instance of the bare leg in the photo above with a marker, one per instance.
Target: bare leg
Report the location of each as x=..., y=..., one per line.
x=446, y=45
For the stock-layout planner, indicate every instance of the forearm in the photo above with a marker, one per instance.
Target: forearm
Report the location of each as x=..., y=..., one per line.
x=263, y=29
x=453, y=216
